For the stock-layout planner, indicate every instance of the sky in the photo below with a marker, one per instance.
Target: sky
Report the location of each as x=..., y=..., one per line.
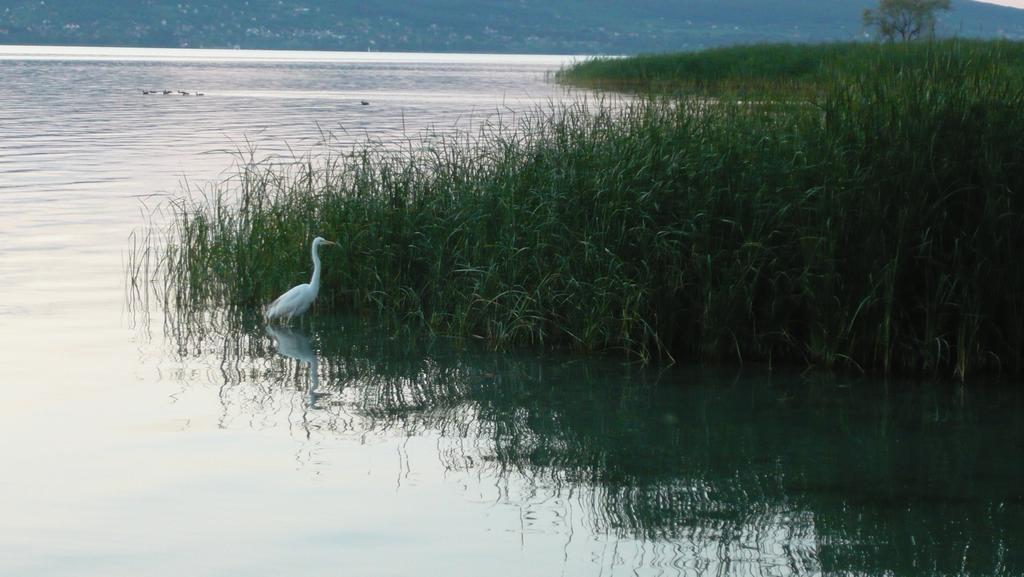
x=1012, y=3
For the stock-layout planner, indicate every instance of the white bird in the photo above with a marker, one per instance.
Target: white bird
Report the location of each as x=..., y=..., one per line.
x=299, y=298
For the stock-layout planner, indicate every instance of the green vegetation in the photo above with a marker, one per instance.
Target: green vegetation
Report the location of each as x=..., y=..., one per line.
x=875, y=225
x=756, y=70
x=787, y=70
x=904, y=19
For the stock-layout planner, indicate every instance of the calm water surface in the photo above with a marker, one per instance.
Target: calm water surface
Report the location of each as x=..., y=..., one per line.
x=135, y=445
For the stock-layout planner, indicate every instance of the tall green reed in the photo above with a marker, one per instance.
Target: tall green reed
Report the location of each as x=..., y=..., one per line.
x=872, y=225
x=761, y=70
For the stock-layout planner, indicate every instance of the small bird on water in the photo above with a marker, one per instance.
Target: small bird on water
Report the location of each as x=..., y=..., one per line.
x=299, y=298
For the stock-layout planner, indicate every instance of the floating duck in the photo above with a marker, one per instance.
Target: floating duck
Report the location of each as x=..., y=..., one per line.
x=166, y=92
x=183, y=93
x=364, y=102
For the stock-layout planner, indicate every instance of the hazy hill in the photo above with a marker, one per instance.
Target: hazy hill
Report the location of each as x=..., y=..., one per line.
x=566, y=26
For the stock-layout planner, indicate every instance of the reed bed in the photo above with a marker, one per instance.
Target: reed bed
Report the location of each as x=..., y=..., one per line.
x=777, y=70
x=874, y=225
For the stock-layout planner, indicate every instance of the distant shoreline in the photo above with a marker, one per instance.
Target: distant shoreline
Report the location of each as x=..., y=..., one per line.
x=468, y=27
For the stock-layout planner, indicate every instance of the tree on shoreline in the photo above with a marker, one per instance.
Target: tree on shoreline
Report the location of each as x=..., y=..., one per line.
x=904, y=19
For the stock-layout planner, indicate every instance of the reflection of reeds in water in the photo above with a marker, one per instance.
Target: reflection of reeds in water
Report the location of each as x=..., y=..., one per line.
x=558, y=429
x=770, y=479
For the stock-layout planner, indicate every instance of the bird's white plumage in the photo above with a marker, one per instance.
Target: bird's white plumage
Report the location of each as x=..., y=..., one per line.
x=293, y=303
x=298, y=299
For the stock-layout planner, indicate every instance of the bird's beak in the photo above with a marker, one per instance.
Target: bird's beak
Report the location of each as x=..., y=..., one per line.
x=330, y=242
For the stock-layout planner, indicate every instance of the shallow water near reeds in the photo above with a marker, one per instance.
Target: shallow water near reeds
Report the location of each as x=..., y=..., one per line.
x=138, y=443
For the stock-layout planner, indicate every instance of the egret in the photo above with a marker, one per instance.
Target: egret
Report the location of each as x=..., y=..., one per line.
x=298, y=299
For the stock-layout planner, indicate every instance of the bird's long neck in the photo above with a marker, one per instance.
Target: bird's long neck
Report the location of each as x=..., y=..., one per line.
x=314, y=283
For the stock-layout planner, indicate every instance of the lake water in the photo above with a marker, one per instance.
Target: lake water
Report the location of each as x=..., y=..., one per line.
x=143, y=445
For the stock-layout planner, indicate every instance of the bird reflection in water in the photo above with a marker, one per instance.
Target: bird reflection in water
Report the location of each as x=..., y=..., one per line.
x=295, y=344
